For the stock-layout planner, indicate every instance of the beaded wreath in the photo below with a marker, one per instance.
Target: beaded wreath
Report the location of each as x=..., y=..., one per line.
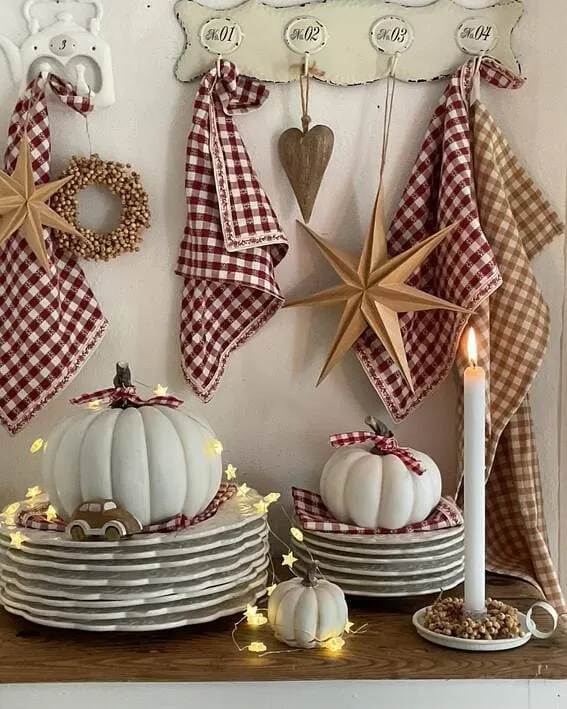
x=121, y=181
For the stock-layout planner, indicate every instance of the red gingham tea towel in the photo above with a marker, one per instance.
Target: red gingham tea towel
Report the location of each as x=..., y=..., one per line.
x=34, y=517
x=314, y=516
x=49, y=324
x=232, y=241
x=461, y=270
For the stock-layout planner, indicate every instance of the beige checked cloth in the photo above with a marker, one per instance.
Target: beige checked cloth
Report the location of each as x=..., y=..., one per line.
x=513, y=328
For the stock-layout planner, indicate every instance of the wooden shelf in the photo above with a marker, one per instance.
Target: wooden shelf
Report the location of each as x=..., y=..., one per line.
x=389, y=649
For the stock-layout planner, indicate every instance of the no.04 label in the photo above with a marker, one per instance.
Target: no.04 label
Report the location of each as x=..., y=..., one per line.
x=306, y=35
x=221, y=35
x=391, y=35
x=477, y=35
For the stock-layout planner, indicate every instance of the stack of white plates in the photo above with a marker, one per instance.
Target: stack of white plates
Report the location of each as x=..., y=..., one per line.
x=386, y=565
x=146, y=582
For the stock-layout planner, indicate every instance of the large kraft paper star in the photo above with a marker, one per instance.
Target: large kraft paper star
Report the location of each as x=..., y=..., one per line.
x=23, y=205
x=374, y=291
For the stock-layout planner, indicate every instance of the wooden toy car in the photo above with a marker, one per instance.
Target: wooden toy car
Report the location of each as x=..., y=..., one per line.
x=102, y=518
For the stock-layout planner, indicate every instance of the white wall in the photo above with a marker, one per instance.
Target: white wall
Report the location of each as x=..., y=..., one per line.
x=272, y=420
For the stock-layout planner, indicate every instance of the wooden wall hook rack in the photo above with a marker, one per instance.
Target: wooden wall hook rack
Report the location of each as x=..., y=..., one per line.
x=349, y=41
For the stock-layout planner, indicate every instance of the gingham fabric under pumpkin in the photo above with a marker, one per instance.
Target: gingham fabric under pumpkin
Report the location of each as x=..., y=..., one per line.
x=514, y=331
x=49, y=324
x=34, y=516
x=462, y=270
x=233, y=240
x=314, y=516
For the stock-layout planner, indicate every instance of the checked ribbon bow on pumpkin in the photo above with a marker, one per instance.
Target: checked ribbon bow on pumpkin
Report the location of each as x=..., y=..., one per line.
x=384, y=443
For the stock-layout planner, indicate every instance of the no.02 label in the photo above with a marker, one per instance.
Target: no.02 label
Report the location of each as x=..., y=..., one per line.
x=306, y=35
x=477, y=35
x=391, y=35
x=221, y=35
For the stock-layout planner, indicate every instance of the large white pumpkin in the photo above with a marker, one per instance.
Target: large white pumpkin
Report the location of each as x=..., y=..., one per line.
x=369, y=490
x=154, y=461
x=307, y=612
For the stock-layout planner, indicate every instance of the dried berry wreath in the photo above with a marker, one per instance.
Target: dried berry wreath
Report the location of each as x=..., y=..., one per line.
x=121, y=181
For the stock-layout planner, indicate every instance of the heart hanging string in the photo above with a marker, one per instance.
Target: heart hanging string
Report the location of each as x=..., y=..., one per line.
x=305, y=154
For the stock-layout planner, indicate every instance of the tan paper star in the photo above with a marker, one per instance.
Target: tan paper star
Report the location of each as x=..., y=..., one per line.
x=23, y=205
x=374, y=291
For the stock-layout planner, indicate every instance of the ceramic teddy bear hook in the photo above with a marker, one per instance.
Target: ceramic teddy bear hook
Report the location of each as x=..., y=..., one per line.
x=66, y=48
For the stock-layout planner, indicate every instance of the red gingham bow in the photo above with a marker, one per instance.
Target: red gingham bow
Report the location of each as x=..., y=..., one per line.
x=382, y=446
x=110, y=396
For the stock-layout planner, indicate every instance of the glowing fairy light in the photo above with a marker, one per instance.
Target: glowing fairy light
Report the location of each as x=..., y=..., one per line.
x=296, y=534
x=17, y=539
x=242, y=490
x=288, y=559
x=37, y=445
x=334, y=644
x=257, y=647
x=33, y=492
x=160, y=390
x=230, y=472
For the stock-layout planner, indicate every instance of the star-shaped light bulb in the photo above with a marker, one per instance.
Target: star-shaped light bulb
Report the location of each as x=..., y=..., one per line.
x=17, y=539
x=261, y=507
x=348, y=626
x=271, y=589
x=51, y=514
x=94, y=405
x=272, y=497
x=257, y=647
x=213, y=447
x=250, y=610
x=334, y=644
x=11, y=509
x=230, y=472
x=33, y=492
x=37, y=445
x=288, y=559
x=160, y=390
x=242, y=490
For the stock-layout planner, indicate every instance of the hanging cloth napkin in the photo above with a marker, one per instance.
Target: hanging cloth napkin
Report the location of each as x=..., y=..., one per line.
x=49, y=323
x=462, y=270
x=232, y=241
x=514, y=330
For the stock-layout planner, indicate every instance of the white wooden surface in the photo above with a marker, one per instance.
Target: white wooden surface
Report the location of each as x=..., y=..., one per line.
x=522, y=694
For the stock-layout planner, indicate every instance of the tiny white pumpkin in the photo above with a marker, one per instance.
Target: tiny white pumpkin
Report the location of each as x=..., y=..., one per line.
x=154, y=461
x=306, y=612
x=369, y=490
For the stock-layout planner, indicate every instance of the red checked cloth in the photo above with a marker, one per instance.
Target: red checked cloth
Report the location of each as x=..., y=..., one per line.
x=232, y=241
x=461, y=270
x=314, y=516
x=34, y=517
x=49, y=324
x=514, y=331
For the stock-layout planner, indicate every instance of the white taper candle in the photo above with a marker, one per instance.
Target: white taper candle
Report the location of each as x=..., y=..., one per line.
x=474, y=471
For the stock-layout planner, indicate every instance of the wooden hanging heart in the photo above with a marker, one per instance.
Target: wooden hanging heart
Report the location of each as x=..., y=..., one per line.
x=305, y=156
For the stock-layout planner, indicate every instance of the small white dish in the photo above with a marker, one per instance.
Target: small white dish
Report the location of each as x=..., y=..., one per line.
x=465, y=643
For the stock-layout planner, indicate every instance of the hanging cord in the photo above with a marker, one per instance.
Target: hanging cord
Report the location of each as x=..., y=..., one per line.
x=389, y=104
x=89, y=138
x=304, y=74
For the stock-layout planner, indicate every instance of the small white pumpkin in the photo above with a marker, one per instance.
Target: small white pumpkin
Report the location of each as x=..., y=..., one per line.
x=307, y=612
x=370, y=490
x=155, y=461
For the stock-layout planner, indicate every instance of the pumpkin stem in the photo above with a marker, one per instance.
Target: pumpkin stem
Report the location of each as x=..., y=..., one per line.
x=122, y=380
x=312, y=575
x=379, y=428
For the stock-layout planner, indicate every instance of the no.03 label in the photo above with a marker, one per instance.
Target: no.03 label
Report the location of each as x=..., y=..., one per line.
x=221, y=35
x=392, y=35
x=306, y=35
x=476, y=35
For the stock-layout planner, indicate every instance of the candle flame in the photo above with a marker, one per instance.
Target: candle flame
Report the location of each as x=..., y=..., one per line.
x=471, y=347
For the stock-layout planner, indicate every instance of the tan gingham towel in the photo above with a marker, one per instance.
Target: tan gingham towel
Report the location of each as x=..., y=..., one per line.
x=514, y=329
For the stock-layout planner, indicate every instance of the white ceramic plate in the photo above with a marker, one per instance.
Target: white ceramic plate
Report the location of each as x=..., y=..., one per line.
x=413, y=569
x=31, y=594
x=233, y=514
x=88, y=551
x=141, y=578
x=130, y=566
x=407, y=551
x=175, y=620
x=131, y=594
x=465, y=643
x=149, y=610
x=387, y=561
x=364, y=587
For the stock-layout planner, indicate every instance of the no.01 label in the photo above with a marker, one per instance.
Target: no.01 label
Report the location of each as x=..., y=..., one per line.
x=221, y=35
x=306, y=35
x=476, y=35
x=391, y=35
